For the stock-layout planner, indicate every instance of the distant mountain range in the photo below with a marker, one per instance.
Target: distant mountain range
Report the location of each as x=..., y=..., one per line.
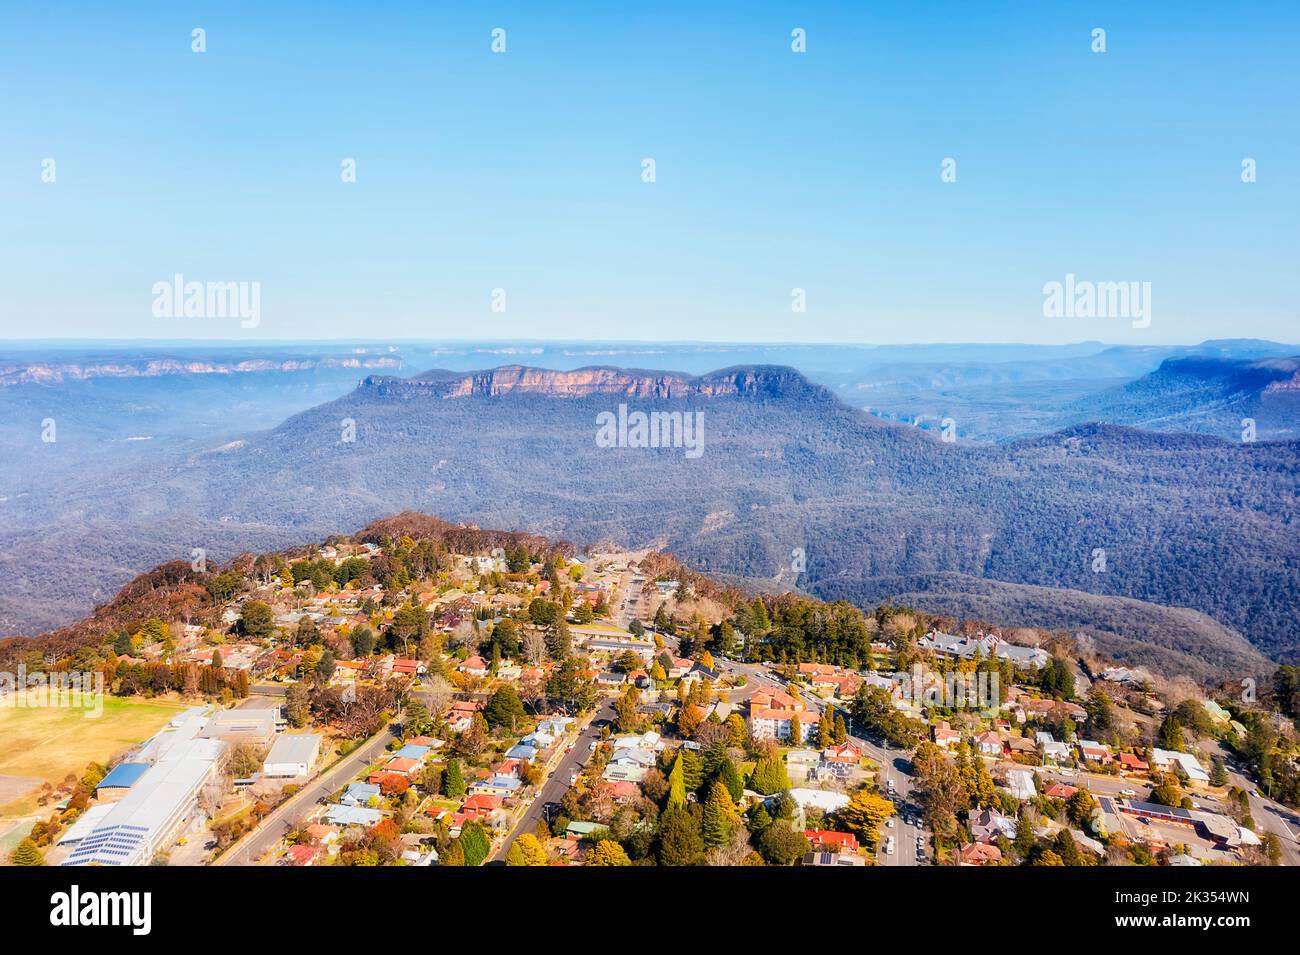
x=790, y=478
x=163, y=450
x=1210, y=395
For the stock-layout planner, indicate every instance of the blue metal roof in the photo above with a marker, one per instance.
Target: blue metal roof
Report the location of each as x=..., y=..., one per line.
x=123, y=776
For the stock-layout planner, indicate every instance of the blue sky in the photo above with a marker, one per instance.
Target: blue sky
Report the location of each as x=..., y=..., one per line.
x=775, y=170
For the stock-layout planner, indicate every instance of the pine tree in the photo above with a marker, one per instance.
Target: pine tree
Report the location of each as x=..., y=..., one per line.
x=26, y=853
x=453, y=783
x=454, y=856
x=729, y=776
x=841, y=731
x=796, y=731
x=720, y=817
x=825, y=732
x=1170, y=735
x=692, y=769
x=677, y=784
x=1218, y=772
x=1066, y=848
x=679, y=838
x=769, y=776
x=475, y=843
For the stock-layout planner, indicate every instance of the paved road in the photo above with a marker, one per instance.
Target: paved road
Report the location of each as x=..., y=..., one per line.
x=630, y=600
x=555, y=785
x=1268, y=815
x=264, y=838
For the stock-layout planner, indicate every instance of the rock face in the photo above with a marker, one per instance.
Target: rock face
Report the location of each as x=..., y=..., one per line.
x=752, y=380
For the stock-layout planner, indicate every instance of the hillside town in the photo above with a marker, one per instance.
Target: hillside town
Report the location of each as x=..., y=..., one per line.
x=396, y=699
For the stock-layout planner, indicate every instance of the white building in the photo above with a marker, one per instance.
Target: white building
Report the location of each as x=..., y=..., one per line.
x=1165, y=759
x=151, y=814
x=292, y=755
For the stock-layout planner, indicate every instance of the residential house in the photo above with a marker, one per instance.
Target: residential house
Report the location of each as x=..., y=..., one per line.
x=1093, y=752
x=341, y=815
x=945, y=737
x=989, y=824
x=1132, y=763
x=834, y=841
x=359, y=794
x=980, y=853
x=481, y=805
x=848, y=753
x=833, y=859
x=413, y=751
x=1020, y=783
x=475, y=666
x=983, y=646
x=497, y=786
x=1055, y=710
x=302, y=855
x=1019, y=746
x=1165, y=760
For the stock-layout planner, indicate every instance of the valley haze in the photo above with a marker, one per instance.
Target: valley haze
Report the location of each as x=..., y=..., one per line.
x=827, y=452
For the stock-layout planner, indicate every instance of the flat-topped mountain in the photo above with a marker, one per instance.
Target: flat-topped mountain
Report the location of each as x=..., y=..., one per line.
x=791, y=486
x=752, y=380
x=1208, y=394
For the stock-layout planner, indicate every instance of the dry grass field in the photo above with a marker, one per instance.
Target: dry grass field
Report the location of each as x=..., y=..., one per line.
x=46, y=744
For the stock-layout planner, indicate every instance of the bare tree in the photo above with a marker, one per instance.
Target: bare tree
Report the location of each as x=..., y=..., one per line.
x=534, y=645
x=734, y=852
x=438, y=694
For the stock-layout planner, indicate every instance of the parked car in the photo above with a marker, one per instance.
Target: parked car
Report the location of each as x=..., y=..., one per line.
x=573, y=779
x=1128, y=792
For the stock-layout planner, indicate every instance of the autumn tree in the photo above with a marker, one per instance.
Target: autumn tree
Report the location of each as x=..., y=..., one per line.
x=607, y=852
x=526, y=850
x=864, y=815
